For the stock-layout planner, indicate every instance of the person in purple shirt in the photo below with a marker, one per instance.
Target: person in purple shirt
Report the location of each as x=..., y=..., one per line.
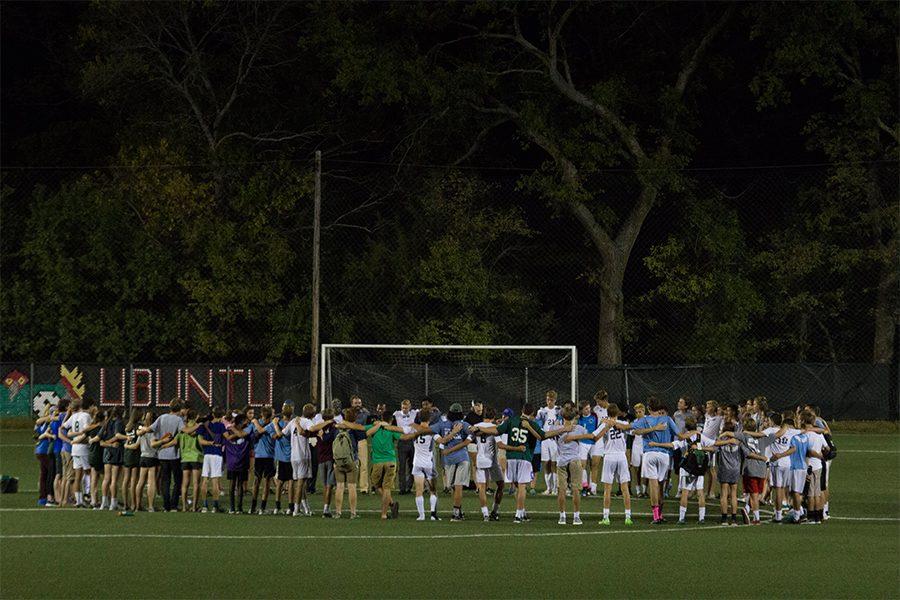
x=237, y=460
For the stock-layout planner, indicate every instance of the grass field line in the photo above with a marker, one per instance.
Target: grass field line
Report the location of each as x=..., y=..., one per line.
x=712, y=515
x=189, y=536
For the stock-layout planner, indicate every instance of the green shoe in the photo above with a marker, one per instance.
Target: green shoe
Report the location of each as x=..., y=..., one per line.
x=629, y=522
x=604, y=522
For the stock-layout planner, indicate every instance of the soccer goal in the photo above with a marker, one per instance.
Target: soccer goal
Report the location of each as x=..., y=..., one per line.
x=502, y=376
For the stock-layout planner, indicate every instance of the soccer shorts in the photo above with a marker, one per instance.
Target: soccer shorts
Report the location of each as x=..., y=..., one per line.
x=80, y=462
x=383, y=475
x=584, y=452
x=690, y=483
x=285, y=471
x=472, y=449
x=655, y=466
x=191, y=466
x=149, y=462
x=798, y=480
x=569, y=473
x=212, y=466
x=598, y=449
x=264, y=467
x=519, y=471
x=237, y=475
x=781, y=476
x=615, y=467
x=424, y=471
x=705, y=441
x=754, y=485
x=492, y=473
x=815, y=484
x=549, y=451
x=637, y=452
x=827, y=475
x=457, y=474
x=301, y=469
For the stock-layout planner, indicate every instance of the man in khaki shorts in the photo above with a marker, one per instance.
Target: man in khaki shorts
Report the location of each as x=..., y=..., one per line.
x=346, y=468
x=362, y=415
x=568, y=463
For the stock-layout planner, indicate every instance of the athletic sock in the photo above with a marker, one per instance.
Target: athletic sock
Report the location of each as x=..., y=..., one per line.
x=656, y=512
x=433, y=503
x=547, y=481
x=79, y=497
x=593, y=488
x=825, y=508
x=215, y=505
x=682, y=512
x=253, y=506
x=724, y=518
x=576, y=514
x=702, y=513
x=262, y=506
x=484, y=511
x=628, y=513
x=420, y=506
x=756, y=515
x=103, y=502
x=278, y=505
x=605, y=513
x=325, y=508
x=562, y=516
x=778, y=514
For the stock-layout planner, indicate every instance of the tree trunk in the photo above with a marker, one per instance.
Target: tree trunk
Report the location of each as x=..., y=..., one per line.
x=885, y=314
x=612, y=313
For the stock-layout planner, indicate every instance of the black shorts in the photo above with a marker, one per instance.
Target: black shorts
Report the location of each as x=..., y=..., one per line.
x=191, y=466
x=536, y=463
x=285, y=471
x=58, y=457
x=240, y=475
x=264, y=467
x=147, y=462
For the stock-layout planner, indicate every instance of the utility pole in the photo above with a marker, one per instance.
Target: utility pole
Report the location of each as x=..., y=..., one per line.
x=314, y=349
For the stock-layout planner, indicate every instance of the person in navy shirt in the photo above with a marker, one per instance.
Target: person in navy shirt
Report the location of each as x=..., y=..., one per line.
x=211, y=440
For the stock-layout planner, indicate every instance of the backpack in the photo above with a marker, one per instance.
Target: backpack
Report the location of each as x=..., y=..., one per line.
x=342, y=450
x=695, y=462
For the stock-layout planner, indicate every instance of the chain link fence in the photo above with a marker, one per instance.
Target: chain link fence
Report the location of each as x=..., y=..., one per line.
x=843, y=391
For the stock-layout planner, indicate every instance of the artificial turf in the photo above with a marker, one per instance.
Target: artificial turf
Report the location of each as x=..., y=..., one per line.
x=81, y=553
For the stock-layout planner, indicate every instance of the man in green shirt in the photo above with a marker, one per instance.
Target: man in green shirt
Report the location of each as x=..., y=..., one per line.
x=383, y=439
x=522, y=433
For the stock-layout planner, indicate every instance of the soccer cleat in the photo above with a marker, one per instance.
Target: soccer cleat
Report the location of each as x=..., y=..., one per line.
x=577, y=521
x=456, y=519
x=562, y=521
x=546, y=492
x=605, y=521
x=701, y=521
x=517, y=520
x=628, y=521
x=494, y=516
x=435, y=517
x=754, y=522
x=485, y=518
x=326, y=515
x=336, y=516
x=353, y=516
x=525, y=517
x=680, y=522
x=745, y=516
x=420, y=518
x=658, y=522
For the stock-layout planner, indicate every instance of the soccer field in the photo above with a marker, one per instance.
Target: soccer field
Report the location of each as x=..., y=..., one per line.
x=81, y=553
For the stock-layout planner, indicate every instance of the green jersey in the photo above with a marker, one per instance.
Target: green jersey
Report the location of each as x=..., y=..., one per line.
x=517, y=435
x=191, y=450
x=383, y=445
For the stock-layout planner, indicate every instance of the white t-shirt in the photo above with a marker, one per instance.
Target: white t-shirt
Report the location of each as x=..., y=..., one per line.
x=77, y=423
x=712, y=426
x=423, y=448
x=486, y=448
x=816, y=443
x=299, y=442
x=601, y=412
x=405, y=419
x=613, y=440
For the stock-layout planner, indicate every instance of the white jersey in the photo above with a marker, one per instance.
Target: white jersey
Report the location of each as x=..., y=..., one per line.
x=816, y=443
x=601, y=412
x=76, y=424
x=782, y=443
x=486, y=448
x=613, y=441
x=299, y=442
x=423, y=448
x=550, y=417
x=405, y=419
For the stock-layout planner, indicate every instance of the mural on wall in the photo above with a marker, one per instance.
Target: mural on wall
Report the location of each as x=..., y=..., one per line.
x=137, y=386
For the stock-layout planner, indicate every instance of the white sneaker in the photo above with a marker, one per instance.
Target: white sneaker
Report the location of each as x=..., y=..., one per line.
x=576, y=521
x=420, y=518
x=562, y=521
x=546, y=493
x=297, y=513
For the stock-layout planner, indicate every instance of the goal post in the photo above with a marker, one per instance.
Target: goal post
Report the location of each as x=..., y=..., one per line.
x=504, y=376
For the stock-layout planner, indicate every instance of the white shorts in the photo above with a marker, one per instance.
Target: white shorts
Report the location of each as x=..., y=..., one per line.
x=781, y=476
x=690, y=483
x=655, y=466
x=549, y=451
x=492, y=473
x=584, y=453
x=518, y=471
x=637, y=451
x=212, y=466
x=302, y=469
x=424, y=471
x=798, y=480
x=705, y=441
x=598, y=449
x=615, y=467
x=472, y=448
x=81, y=462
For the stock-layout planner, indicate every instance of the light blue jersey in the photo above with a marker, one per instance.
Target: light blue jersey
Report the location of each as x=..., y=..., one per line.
x=666, y=436
x=265, y=443
x=798, y=458
x=282, y=444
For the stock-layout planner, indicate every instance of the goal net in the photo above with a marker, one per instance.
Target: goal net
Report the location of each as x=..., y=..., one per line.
x=500, y=376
